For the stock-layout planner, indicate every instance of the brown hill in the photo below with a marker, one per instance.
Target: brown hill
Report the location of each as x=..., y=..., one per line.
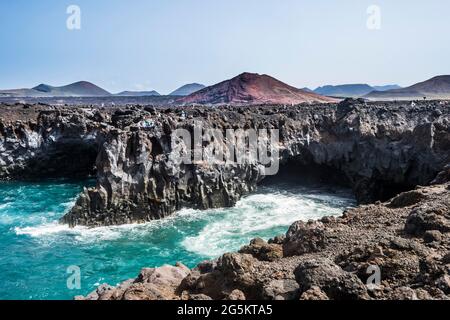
x=251, y=88
x=434, y=88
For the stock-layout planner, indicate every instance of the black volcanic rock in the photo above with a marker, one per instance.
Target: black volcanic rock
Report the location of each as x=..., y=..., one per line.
x=380, y=148
x=336, y=283
x=136, y=181
x=362, y=242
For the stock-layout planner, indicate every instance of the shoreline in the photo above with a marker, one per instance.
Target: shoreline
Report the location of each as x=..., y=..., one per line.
x=383, y=151
x=406, y=239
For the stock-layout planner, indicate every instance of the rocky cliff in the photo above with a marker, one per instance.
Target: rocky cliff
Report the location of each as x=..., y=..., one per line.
x=394, y=249
x=378, y=149
x=397, y=250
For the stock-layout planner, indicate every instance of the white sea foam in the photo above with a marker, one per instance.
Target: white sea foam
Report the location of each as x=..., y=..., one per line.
x=40, y=230
x=81, y=234
x=89, y=235
x=254, y=215
x=6, y=219
x=225, y=229
x=4, y=206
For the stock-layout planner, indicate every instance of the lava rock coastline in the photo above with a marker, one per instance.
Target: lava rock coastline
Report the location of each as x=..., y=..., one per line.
x=378, y=149
x=404, y=242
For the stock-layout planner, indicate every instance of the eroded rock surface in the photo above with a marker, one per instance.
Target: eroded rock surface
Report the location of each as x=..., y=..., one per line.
x=379, y=149
x=412, y=264
x=151, y=284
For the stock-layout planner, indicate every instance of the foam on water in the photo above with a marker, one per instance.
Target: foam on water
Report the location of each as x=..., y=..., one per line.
x=41, y=230
x=4, y=206
x=90, y=235
x=36, y=250
x=260, y=215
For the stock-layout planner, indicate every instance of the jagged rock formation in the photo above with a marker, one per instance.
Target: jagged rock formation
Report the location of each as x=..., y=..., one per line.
x=48, y=143
x=151, y=284
x=406, y=240
x=378, y=149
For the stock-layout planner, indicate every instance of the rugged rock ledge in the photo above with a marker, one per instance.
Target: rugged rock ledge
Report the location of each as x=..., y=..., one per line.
x=378, y=149
x=407, y=239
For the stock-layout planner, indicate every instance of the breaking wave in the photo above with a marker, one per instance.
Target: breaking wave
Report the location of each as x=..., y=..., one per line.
x=32, y=239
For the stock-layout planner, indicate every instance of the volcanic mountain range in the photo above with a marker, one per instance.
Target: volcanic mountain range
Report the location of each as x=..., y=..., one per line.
x=246, y=88
x=252, y=88
x=88, y=89
x=77, y=89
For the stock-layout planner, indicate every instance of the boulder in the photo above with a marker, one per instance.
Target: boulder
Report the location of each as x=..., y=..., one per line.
x=263, y=251
x=428, y=217
x=315, y=293
x=236, y=295
x=336, y=283
x=304, y=238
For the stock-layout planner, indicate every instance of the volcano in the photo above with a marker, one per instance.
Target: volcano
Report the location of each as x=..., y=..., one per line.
x=77, y=89
x=254, y=89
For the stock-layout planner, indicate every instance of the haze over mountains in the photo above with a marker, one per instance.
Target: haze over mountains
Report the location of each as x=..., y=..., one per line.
x=352, y=90
x=77, y=89
x=252, y=88
x=248, y=88
x=187, y=89
x=138, y=93
x=88, y=89
x=434, y=88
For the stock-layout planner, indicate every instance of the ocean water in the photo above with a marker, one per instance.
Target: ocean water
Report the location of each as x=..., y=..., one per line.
x=36, y=252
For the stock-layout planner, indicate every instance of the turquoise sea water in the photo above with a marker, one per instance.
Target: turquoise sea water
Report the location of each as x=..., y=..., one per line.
x=35, y=251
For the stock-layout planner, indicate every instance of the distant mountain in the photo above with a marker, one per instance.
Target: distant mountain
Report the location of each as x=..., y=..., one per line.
x=345, y=90
x=434, y=88
x=251, y=88
x=77, y=89
x=387, y=87
x=351, y=90
x=138, y=94
x=21, y=93
x=187, y=89
x=307, y=89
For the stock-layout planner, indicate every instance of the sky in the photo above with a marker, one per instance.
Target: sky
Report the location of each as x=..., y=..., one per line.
x=163, y=44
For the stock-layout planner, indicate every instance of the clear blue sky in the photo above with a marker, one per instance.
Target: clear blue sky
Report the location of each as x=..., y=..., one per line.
x=162, y=44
